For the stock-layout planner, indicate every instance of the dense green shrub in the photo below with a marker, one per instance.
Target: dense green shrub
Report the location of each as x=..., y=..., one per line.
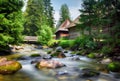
x=85, y=41
x=52, y=43
x=66, y=43
x=44, y=35
x=11, y=22
x=106, y=50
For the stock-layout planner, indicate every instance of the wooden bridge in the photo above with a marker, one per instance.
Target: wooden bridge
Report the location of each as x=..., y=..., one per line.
x=30, y=39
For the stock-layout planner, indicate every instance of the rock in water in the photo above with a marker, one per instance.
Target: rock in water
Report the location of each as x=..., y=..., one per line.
x=52, y=64
x=86, y=73
x=58, y=54
x=59, y=49
x=9, y=67
x=106, y=61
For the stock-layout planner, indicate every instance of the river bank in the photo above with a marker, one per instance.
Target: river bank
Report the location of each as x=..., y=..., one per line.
x=77, y=67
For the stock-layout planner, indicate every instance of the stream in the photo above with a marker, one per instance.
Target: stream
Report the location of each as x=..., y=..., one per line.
x=71, y=72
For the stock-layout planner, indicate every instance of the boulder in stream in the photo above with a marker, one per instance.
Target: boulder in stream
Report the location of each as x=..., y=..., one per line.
x=9, y=67
x=58, y=54
x=85, y=73
x=114, y=66
x=59, y=49
x=52, y=64
x=106, y=61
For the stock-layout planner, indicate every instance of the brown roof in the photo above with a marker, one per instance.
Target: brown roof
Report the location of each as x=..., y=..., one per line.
x=72, y=24
x=63, y=26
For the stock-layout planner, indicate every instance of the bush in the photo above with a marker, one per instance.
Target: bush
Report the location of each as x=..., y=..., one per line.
x=44, y=35
x=106, y=50
x=66, y=43
x=85, y=41
x=53, y=43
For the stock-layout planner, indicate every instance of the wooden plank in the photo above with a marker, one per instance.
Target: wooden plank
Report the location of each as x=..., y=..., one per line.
x=30, y=38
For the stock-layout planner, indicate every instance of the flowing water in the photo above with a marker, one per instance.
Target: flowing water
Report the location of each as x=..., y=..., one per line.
x=69, y=73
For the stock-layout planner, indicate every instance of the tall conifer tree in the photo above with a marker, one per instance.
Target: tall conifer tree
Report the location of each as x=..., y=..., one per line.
x=38, y=12
x=11, y=22
x=64, y=14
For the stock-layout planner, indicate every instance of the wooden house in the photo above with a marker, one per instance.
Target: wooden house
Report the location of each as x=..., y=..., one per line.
x=62, y=31
x=73, y=30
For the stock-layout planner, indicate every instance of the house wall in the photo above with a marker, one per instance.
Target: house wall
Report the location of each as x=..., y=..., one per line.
x=64, y=35
x=73, y=33
x=61, y=34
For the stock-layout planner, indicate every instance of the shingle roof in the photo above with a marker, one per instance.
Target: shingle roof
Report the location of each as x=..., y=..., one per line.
x=72, y=24
x=63, y=26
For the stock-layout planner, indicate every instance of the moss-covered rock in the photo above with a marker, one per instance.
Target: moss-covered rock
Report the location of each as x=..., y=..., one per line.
x=91, y=55
x=82, y=52
x=114, y=66
x=73, y=52
x=79, y=53
x=86, y=73
x=58, y=54
x=9, y=67
x=49, y=52
x=65, y=51
x=35, y=55
x=59, y=49
x=54, y=54
x=13, y=56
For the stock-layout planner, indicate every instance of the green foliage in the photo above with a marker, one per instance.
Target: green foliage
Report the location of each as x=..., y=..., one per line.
x=66, y=43
x=114, y=67
x=44, y=35
x=52, y=43
x=38, y=13
x=64, y=14
x=5, y=39
x=49, y=13
x=101, y=19
x=11, y=22
x=106, y=50
x=85, y=41
x=34, y=17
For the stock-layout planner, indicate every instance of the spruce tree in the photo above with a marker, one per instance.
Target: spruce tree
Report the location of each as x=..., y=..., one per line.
x=11, y=22
x=34, y=16
x=38, y=12
x=39, y=16
x=64, y=14
x=102, y=17
x=49, y=12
